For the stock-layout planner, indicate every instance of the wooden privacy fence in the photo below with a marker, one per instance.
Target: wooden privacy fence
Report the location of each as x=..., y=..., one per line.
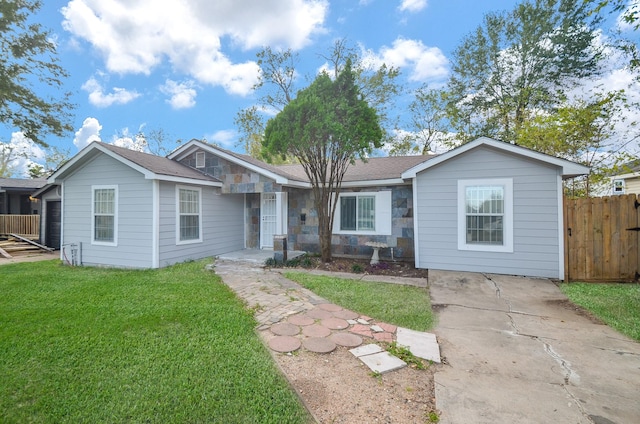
x=24, y=225
x=601, y=238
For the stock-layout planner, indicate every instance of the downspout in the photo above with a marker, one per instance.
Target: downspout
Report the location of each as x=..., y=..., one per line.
x=561, y=235
x=155, y=225
x=416, y=232
x=62, y=218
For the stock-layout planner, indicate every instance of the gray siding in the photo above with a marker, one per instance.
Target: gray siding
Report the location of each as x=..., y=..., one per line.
x=536, y=249
x=135, y=204
x=222, y=226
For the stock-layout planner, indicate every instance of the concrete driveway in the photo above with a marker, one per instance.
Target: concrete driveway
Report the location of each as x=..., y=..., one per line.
x=518, y=353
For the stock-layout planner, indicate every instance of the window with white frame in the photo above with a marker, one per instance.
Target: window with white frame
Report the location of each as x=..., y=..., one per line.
x=199, y=159
x=363, y=213
x=485, y=215
x=189, y=222
x=104, y=211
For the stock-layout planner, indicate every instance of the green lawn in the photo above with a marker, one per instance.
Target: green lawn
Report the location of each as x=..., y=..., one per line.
x=155, y=346
x=405, y=306
x=618, y=305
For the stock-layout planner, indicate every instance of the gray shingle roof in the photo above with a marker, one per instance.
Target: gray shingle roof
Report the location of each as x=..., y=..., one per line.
x=384, y=168
x=22, y=183
x=158, y=164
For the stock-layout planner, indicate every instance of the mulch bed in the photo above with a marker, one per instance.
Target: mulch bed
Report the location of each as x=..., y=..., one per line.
x=362, y=266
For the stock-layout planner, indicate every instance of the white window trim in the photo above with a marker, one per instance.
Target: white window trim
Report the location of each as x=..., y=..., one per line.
x=383, y=213
x=199, y=190
x=200, y=160
x=507, y=236
x=93, y=215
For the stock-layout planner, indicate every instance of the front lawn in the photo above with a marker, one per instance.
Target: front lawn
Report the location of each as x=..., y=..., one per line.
x=618, y=305
x=405, y=306
x=156, y=346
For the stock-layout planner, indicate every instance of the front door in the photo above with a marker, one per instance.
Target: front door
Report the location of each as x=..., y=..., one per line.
x=269, y=220
x=273, y=217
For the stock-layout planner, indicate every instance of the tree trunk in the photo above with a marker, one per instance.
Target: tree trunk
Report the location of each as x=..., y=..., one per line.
x=324, y=233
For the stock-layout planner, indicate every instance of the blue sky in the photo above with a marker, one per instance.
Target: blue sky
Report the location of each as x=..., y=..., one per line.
x=187, y=66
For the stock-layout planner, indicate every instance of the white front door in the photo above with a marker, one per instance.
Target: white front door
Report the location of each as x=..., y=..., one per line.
x=269, y=219
x=273, y=217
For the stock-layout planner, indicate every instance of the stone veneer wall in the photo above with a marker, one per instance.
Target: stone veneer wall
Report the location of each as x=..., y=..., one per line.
x=305, y=237
x=235, y=178
x=238, y=179
x=252, y=216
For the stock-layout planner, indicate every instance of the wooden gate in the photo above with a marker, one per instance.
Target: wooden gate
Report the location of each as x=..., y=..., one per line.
x=601, y=238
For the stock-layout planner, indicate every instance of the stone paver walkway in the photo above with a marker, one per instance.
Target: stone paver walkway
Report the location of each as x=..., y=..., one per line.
x=291, y=317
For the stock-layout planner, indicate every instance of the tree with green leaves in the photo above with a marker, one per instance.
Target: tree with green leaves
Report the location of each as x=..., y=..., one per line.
x=520, y=62
x=326, y=127
x=628, y=13
x=28, y=62
x=585, y=132
x=428, y=123
x=279, y=81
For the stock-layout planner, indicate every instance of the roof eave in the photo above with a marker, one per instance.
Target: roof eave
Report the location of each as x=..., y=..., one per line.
x=569, y=169
x=87, y=151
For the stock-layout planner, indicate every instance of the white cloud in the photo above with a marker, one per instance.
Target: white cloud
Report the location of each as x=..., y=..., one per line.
x=224, y=138
x=90, y=131
x=135, y=37
x=633, y=10
x=183, y=95
x=97, y=96
x=135, y=142
x=426, y=63
x=24, y=152
x=412, y=6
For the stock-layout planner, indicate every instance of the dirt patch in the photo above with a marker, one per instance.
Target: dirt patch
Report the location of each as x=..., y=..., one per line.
x=339, y=388
x=567, y=304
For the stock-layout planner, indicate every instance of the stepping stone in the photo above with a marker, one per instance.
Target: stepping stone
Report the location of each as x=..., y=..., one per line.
x=368, y=349
x=422, y=345
x=285, y=329
x=319, y=345
x=352, y=321
x=362, y=330
x=316, y=330
x=346, y=314
x=317, y=313
x=335, y=323
x=330, y=307
x=284, y=344
x=389, y=328
x=300, y=319
x=382, y=362
x=346, y=339
x=363, y=321
x=383, y=337
x=376, y=328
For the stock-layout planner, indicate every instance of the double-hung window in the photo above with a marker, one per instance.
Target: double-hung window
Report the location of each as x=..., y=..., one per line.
x=189, y=223
x=485, y=215
x=363, y=213
x=104, y=211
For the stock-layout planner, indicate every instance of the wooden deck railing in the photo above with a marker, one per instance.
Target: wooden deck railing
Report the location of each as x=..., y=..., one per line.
x=24, y=225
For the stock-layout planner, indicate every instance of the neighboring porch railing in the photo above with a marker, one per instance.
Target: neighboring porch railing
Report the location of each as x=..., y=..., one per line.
x=23, y=225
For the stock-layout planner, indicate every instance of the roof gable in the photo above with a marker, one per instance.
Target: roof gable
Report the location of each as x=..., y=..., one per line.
x=569, y=169
x=151, y=166
x=270, y=171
